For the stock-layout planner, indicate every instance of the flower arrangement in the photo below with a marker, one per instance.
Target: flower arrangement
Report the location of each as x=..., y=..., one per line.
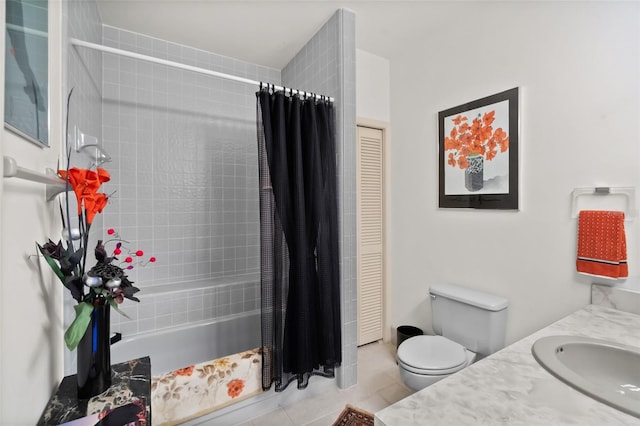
x=68, y=258
x=477, y=138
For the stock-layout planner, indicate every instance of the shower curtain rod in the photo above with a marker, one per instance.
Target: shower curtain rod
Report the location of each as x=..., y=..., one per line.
x=107, y=49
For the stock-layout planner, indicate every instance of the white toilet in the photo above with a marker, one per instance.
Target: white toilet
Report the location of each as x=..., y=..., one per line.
x=469, y=324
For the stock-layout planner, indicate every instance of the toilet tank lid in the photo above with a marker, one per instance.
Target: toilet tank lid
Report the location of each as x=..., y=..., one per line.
x=469, y=296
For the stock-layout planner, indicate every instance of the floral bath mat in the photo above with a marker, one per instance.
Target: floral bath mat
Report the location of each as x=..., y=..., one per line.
x=199, y=389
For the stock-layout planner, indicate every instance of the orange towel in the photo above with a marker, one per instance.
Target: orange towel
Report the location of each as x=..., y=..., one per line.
x=602, y=244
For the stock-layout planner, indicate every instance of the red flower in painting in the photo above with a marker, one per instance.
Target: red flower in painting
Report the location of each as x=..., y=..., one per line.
x=235, y=388
x=477, y=138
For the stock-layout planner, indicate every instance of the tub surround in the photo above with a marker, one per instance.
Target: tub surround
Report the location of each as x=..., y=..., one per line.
x=207, y=340
x=510, y=387
x=181, y=304
x=131, y=381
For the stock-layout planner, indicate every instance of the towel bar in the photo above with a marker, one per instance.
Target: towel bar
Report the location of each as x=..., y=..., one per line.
x=55, y=184
x=629, y=193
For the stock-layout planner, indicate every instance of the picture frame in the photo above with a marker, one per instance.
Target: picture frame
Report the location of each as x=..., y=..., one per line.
x=478, y=153
x=26, y=85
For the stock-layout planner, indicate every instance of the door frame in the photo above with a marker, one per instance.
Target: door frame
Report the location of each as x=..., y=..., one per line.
x=385, y=127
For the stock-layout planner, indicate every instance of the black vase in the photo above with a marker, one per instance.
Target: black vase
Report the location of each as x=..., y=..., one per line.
x=474, y=173
x=94, y=353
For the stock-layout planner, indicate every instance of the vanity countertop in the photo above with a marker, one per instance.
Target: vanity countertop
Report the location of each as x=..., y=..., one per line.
x=511, y=388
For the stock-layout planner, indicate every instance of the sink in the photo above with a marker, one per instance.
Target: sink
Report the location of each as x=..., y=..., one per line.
x=606, y=371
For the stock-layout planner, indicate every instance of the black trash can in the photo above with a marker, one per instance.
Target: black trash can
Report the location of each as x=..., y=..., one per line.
x=406, y=331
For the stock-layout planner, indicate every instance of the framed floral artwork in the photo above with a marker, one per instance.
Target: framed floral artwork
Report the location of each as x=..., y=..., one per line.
x=478, y=153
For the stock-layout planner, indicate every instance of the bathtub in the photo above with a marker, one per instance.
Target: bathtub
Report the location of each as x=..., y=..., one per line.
x=182, y=346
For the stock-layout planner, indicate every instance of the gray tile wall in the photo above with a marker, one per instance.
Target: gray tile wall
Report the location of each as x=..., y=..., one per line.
x=165, y=306
x=326, y=65
x=84, y=71
x=184, y=176
x=184, y=159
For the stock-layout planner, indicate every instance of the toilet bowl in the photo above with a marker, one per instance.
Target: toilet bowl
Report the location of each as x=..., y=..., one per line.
x=467, y=323
x=424, y=360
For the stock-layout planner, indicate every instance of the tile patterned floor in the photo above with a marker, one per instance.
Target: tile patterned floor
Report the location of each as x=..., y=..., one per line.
x=379, y=385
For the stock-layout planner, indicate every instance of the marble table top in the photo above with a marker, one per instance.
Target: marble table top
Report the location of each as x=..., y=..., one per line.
x=511, y=388
x=131, y=381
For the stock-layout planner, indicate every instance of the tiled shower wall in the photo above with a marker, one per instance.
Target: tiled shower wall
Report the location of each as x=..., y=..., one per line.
x=184, y=176
x=201, y=301
x=184, y=160
x=326, y=65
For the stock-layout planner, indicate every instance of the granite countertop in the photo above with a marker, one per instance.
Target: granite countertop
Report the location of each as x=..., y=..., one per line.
x=511, y=388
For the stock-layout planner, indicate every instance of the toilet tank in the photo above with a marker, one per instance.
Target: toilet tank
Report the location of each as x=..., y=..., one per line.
x=472, y=318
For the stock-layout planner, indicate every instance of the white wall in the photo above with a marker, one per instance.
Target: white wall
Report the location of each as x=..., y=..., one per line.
x=578, y=68
x=30, y=308
x=372, y=87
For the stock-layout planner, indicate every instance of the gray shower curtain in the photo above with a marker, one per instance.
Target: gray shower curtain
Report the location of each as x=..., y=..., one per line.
x=300, y=277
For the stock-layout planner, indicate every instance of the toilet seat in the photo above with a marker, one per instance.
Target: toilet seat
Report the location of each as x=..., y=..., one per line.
x=431, y=355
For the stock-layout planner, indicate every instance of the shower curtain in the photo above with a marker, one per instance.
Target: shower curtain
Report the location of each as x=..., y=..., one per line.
x=300, y=277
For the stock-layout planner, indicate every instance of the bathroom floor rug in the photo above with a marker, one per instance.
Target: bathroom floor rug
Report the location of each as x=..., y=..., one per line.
x=352, y=416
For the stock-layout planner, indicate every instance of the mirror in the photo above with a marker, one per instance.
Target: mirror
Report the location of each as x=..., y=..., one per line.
x=26, y=84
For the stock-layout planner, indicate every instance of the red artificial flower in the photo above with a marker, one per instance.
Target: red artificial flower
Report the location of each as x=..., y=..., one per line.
x=85, y=183
x=93, y=204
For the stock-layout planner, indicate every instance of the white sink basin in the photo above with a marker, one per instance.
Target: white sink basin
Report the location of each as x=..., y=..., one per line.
x=606, y=371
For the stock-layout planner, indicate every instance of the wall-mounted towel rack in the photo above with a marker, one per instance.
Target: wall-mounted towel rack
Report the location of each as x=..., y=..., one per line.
x=600, y=199
x=55, y=184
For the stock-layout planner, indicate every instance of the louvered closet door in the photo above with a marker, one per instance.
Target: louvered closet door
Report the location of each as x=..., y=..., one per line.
x=370, y=234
